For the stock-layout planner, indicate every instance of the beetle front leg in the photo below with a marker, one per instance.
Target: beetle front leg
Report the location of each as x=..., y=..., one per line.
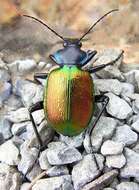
x=100, y=67
x=98, y=99
x=38, y=76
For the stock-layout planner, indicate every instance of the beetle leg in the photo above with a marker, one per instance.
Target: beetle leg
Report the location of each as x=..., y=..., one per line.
x=90, y=55
x=102, y=66
x=38, y=76
x=35, y=107
x=98, y=99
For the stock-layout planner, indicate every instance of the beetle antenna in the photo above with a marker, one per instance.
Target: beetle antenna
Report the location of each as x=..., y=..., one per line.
x=45, y=25
x=97, y=23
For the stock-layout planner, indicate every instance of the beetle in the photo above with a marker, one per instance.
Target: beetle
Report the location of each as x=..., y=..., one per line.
x=69, y=97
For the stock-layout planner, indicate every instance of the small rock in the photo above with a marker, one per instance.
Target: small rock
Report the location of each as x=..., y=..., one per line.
x=102, y=181
x=54, y=183
x=131, y=169
x=108, y=188
x=25, y=186
x=19, y=128
x=103, y=130
x=38, y=116
x=59, y=153
x=136, y=148
x=125, y=135
x=128, y=186
x=29, y=97
x=85, y=171
x=41, y=65
x=22, y=66
x=127, y=88
x=108, y=85
x=117, y=107
x=4, y=75
x=19, y=115
x=133, y=78
x=13, y=103
x=5, y=128
x=43, y=161
x=5, y=91
x=135, y=126
x=10, y=178
x=46, y=133
x=110, y=56
x=9, y=153
x=73, y=141
x=28, y=157
x=36, y=170
x=110, y=147
x=57, y=171
x=115, y=161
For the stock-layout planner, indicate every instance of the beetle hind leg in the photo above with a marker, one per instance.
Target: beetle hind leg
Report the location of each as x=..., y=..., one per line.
x=35, y=107
x=98, y=99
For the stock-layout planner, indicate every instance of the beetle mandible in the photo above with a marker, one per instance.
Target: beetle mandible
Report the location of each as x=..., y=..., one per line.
x=69, y=98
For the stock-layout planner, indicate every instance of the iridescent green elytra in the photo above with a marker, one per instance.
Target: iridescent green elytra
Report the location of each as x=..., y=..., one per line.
x=68, y=100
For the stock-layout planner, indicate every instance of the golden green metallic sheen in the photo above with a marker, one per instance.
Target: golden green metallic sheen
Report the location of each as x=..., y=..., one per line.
x=68, y=100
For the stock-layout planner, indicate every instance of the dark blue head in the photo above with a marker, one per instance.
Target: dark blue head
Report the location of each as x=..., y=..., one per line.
x=71, y=54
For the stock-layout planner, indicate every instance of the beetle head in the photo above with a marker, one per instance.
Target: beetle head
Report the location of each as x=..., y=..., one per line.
x=68, y=42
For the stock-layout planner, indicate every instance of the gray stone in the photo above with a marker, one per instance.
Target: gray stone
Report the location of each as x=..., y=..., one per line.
x=13, y=103
x=133, y=78
x=46, y=133
x=103, y=130
x=5, y=128
x=85, y=171
x=19, y=128
x=135, y=126
x=9, y=153
x=54, y=183
x=43, y=161
x=110, y=147
x=25, y=186
x=59, y=153
x=102, y=181
x=29, y=92
x=108, y=85
x=4, y=75
x=19, y=115
x=131, y=169
x=115, y=161
x=57, y=171
x=117, y=107
x=10, y=178
x=36, y=171
x=75, y=141
x=5, y=91
x=22, y=66
x=125, y=135
x=136, y=148
x=127, y=88
x=135, y=106
x=110, y=56
x=128, y=186
x=38, y=116
x=108, y=188
x=28, y=157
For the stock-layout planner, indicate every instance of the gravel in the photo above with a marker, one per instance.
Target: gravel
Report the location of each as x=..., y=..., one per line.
x=110, y=161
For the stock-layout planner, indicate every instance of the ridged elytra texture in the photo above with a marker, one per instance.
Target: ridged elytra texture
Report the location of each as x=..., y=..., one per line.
x=68, y=100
